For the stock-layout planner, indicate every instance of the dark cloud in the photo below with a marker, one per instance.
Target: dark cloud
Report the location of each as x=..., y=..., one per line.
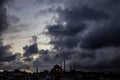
x=43, y=65
x=5, y=54
x=69, y=30
x=65, y=54
x=42, y=51
x=84, y=13
x=67, y=42
x=30, y=50
x=28, y=59
x=107, y=35
x=115, y=1
x=46, y=57
x=13, y=65
x=71, y=25
x=87, y=35
x=51, y=2
x=46, y=61
x=98, y=40
x=8, y=60
x=3, y=16
x=2, y=2
x=104, y=59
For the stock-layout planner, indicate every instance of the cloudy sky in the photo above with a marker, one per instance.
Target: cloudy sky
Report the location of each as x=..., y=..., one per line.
x=42, y=33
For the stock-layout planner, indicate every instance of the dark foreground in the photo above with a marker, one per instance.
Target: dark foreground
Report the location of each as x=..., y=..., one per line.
x=72, y=75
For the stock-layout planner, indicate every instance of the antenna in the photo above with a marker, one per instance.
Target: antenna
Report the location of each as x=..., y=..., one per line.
x=36, y=69
x=61, y=64
x=64, y=65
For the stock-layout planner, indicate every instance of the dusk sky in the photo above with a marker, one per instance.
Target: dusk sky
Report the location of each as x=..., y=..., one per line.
x=42, y=33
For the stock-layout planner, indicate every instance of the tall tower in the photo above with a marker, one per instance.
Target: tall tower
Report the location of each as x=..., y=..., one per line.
x=64, y=65
x=36, y=69
x=61, y=64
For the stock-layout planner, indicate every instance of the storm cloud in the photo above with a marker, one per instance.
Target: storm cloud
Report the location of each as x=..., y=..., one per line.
x=30, y=50
x=5, y=54
x=3, y=16
x=88, y=34
x=84, y=32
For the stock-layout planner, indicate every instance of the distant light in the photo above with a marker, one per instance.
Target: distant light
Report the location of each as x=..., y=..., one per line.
x=1, y=70
x=26, y=70
x=64, y=23
x=35, y=56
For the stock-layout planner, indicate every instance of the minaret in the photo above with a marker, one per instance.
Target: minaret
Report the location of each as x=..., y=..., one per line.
x=36, y=69
x=61, y=64
x=74, y=66
x=64, y=65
